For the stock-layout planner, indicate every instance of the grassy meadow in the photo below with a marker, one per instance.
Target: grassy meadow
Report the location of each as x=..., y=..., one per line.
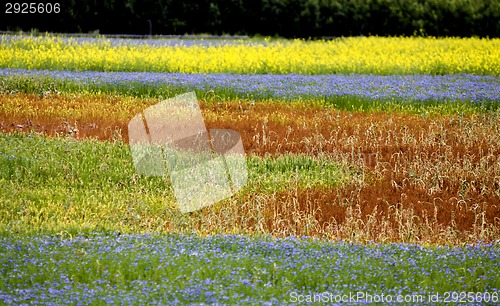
x=373, y=169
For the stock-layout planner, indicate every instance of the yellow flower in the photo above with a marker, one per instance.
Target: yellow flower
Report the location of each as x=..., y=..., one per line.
x=375, y=55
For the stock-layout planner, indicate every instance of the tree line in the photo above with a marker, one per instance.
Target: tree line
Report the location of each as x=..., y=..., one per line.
x=285, y=18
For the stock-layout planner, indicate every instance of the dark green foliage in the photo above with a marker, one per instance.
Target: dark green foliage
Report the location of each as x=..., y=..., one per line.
x=288, y=18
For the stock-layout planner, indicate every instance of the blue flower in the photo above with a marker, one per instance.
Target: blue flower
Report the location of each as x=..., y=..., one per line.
x=464, y=87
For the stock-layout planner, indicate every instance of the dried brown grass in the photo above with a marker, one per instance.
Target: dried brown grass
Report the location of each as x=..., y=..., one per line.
x=426, y=179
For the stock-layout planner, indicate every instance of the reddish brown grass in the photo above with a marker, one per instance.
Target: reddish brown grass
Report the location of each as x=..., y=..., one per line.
x=426, y=179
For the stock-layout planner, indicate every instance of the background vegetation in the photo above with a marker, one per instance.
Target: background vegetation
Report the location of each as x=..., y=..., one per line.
x=287, y=18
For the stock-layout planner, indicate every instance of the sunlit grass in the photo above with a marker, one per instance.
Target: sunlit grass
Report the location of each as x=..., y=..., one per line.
x=59, y=184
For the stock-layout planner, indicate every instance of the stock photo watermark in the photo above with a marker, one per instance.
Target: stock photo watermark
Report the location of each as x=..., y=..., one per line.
x=365, y=297
x=170, y=138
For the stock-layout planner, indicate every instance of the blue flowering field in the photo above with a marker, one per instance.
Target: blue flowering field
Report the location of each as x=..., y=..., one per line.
x=226, y=269
x=343, y=91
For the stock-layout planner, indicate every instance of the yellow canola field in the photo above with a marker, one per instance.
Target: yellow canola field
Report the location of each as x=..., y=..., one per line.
x=365, y=55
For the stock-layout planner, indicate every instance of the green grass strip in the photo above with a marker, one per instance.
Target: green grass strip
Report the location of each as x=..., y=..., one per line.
x=60, y=184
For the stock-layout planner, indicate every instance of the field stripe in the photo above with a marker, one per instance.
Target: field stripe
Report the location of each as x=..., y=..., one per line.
x=60, y=184
x=365, y=55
